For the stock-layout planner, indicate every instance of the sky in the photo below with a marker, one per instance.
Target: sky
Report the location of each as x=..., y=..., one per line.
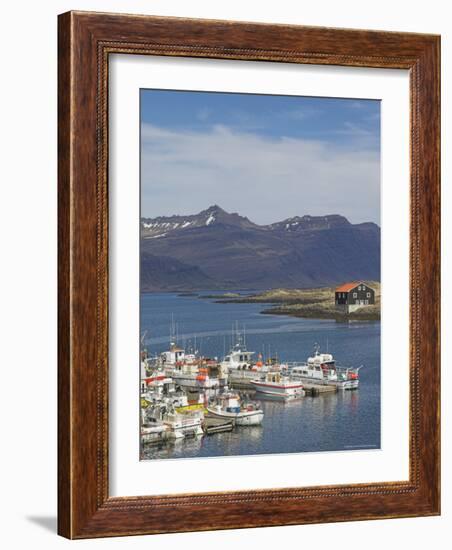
x=263, y=156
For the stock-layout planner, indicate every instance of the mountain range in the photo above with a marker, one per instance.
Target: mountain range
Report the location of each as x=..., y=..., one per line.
x=215, y=249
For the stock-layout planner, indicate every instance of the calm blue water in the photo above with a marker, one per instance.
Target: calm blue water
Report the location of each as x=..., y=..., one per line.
x=339, y=421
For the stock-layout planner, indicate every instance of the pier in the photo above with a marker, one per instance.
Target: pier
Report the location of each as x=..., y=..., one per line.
x=313, y=390
x=216, y=425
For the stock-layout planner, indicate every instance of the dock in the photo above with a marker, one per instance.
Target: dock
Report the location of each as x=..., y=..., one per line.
x=313, y=390
x=216, y=425
x=241, y=385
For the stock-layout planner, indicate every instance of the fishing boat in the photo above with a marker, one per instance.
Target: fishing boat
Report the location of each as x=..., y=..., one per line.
x=241, y=366
x=278, y=385
x=179, y=425
x=191, y=371
x=228, y=406
x=153, y=432
x=164, y=392
x=321, y=369
x=159, y=384
x=176, y=425
x=193, y=377
x=152, y=429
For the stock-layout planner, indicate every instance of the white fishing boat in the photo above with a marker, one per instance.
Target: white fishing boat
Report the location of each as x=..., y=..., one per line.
x=191, y=371
x=278, y=385
x=241, y=366
x=229, y=407
x=152, y=429
x=153, y=433
x=176, y=425
x=183, y=425
x=160, y=384
x=165, y=393
x=321, y=369
x=194, y=377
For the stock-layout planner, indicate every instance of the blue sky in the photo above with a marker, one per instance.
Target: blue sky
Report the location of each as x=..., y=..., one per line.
x=266, y=157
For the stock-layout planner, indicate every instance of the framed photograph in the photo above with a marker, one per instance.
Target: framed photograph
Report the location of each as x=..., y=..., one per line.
x=248, y=275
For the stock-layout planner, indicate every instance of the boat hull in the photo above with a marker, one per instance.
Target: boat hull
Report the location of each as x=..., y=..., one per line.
x=194, y=384
x=340, y=384
x=152, y=434
x=243, y=418
x=293, y=390
x=348, y=385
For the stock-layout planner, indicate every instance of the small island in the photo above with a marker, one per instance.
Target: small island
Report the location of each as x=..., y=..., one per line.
x=314, y=303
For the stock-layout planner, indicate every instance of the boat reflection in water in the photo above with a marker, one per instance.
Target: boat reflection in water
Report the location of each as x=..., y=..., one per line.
x=175, y=448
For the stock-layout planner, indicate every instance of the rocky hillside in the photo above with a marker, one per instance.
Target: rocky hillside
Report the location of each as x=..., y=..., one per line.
x=219, y=250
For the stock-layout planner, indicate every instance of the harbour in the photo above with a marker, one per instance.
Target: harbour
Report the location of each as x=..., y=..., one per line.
x=318, y=417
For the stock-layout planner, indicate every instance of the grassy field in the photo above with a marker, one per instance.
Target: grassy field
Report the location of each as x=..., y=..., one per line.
x=317, y=303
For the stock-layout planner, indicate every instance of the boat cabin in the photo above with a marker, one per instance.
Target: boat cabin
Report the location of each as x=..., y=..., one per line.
x=161, y=385
x=173, y=356
x=229, y=402
x=318, y=367
x=238, y=358
x=273, y=377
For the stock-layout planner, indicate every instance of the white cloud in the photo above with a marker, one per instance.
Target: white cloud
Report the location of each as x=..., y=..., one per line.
x=266, y=179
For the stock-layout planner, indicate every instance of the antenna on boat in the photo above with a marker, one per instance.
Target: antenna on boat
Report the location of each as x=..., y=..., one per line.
x=172, y=331
x=143, y=336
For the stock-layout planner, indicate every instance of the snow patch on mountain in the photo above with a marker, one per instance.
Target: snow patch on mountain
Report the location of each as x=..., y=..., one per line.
x=155, y=236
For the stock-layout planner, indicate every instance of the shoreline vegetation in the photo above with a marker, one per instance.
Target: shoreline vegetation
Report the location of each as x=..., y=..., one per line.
x=313, y=303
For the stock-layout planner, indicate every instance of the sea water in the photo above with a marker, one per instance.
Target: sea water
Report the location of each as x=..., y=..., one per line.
x=344, y=420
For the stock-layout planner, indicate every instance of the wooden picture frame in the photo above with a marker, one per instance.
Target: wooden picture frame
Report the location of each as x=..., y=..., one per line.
x=86, y=40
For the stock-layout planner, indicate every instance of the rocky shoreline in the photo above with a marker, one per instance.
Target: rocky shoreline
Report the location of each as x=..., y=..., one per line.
x=317, y=303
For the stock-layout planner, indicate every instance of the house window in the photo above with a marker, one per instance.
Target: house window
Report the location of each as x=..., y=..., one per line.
x=355, y=295
x=368, y=294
